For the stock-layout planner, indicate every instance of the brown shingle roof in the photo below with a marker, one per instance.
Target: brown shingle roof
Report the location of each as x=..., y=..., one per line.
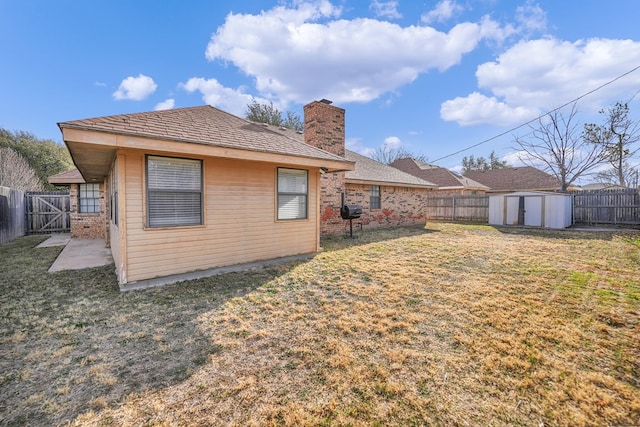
x=443, y=178
x=205, y=125
x=370, y=170
x=69, y=177
x=524, y=178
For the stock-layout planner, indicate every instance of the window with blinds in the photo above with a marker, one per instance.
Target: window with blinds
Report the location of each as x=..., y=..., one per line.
x=374, y=197
x=89, y=198
x=292, y=193
x=174, y=192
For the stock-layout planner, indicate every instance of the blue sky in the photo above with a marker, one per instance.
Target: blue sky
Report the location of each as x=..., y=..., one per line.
x=433, y=77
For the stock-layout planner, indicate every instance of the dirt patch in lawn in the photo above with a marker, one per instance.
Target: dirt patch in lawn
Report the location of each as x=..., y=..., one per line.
x=448, y=325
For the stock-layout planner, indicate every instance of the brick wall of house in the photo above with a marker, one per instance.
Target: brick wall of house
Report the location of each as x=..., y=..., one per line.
x=87, y=225
x=324, y=128
x=331, y=189
x=398, y=206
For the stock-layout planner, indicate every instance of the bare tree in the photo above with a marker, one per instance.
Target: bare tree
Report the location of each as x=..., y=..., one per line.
x=555, y=146
x=618, y=136
x=626, y=176
x=388, y=154
x=15, y=172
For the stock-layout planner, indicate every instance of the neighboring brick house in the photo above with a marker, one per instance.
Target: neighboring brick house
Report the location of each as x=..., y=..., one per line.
x=87, y=205
x=448, y=182
x=506, y=180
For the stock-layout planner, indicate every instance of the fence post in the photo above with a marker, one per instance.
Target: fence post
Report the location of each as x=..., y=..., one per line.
x=453, y=213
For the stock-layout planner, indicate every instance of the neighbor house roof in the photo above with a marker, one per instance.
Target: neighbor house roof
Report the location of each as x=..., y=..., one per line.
x=203, y=126
x=442, y=177
x=72, y=176
x=601, y=186
x=525, y=178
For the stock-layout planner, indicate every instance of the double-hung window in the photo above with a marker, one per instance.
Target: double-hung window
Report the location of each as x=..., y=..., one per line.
x=174, y=192
x=89, y=198
x=293, y=192
x=374, y=197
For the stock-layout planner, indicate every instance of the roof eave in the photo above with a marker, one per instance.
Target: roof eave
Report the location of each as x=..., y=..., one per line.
x=388, y=183
x=93, y=151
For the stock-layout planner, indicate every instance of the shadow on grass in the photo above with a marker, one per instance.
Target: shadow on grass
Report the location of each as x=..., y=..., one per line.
x=72, y=342
x=582, y=233
x=365, y=236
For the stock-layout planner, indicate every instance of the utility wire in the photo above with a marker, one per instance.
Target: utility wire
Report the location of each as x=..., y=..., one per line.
x=539, y=117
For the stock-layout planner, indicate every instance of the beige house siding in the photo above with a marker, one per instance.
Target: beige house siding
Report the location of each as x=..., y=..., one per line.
x=398, y=205
x=240, y=223
x=116, y=231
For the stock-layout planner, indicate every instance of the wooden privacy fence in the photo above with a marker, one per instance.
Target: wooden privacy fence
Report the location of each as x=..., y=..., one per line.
x=48, y=212
x=458, y=208
x=12, y=214
x=607, y=207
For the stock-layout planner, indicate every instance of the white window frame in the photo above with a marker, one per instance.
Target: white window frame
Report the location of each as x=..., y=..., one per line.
x=89, y=205
x=162, y=211
x=292, y=198
x=375, y=197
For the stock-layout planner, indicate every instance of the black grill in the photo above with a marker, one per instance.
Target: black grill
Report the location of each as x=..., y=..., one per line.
x=350, y=211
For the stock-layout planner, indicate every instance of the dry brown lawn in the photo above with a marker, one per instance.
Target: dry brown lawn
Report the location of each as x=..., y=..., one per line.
x=444, y=325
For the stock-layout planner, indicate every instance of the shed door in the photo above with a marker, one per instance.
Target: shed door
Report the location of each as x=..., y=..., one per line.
x=513, y=209
x=533, y=211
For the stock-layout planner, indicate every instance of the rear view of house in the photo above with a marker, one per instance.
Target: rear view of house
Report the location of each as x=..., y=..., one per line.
x=197, y=188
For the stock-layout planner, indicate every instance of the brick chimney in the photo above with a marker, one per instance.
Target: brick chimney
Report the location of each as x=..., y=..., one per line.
x=324, y=129
x=324, y=126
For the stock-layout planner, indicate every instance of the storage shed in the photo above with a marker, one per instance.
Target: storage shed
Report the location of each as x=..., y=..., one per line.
x=531, y=209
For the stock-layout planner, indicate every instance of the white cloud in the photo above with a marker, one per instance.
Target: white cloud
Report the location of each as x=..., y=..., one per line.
x=303, y=53
x=443, y=11
x=167, y=104
x=531, y=18
x=476, y=109
x=355, y=144
x=392, y=142
x=515, y=159
x=385, y=9
x=135, y=88
x=538, y=75
x=234, y=101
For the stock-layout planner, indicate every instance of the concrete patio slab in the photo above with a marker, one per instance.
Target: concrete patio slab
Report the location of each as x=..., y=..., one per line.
x=60, y=239
x=82, y=253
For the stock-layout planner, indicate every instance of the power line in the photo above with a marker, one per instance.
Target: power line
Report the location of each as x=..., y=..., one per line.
x=539, y=117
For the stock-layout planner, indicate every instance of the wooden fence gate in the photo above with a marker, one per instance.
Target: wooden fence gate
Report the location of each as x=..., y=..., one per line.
x=47, y=212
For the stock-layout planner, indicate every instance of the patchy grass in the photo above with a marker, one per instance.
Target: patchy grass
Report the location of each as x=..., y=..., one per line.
x=448, y=325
